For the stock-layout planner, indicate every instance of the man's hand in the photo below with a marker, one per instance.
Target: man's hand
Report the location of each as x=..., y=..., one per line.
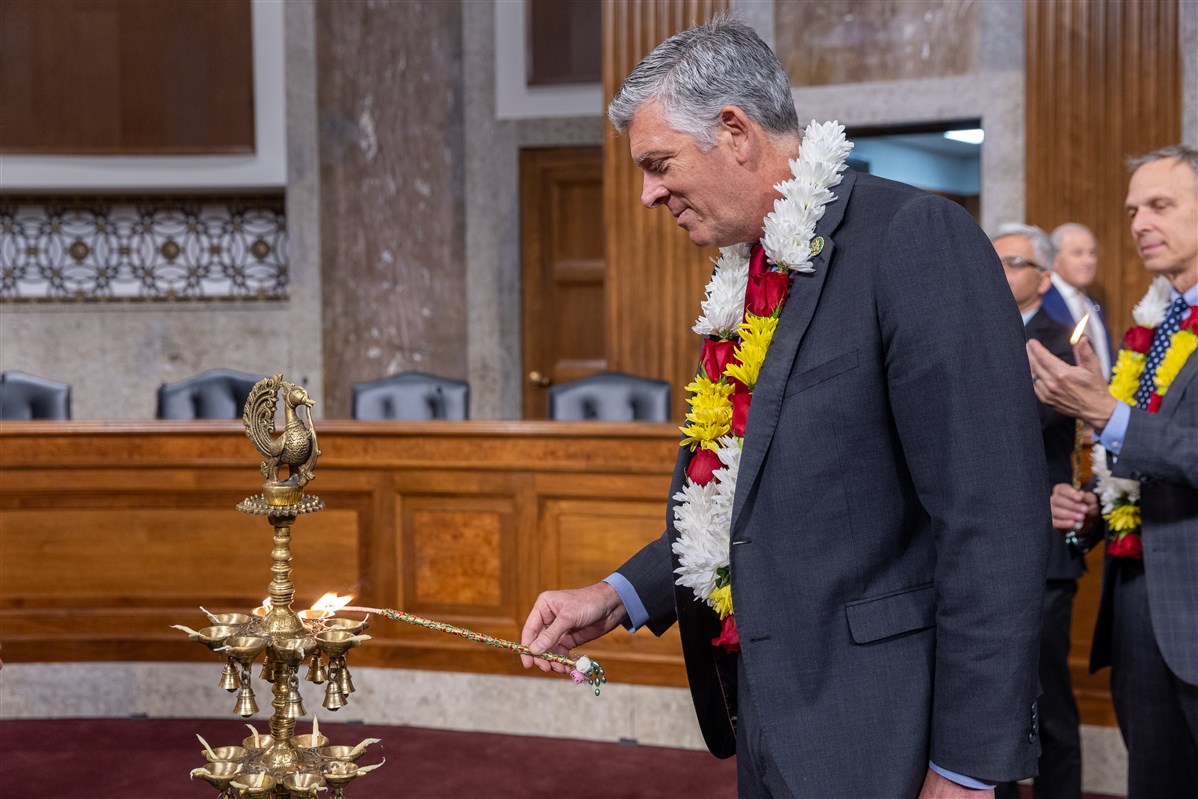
x=1078, y=391
x=937, y=787
x=1071, y=506
x=562, y=620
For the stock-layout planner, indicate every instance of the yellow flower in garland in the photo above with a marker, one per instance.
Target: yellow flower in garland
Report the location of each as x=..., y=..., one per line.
x=721, y=600
x=710, y=416
x=1181, y=347
x=1125, y=376
x=1124, y=518
x=756, y=333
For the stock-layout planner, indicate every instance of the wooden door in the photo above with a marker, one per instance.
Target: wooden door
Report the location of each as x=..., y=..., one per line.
x=563, y=268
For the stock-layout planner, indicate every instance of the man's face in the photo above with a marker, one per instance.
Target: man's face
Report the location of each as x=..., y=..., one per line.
x=1077, y=261
x=1019, y=265
x=1162, y=204
x=703, y=190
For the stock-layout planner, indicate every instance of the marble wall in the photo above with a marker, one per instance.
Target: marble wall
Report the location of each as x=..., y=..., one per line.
x=402, y=203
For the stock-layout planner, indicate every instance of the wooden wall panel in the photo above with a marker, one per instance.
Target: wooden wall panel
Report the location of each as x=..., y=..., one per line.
x=1103, y=83
x=655, y=276
x=112, y=532
x=112, y=77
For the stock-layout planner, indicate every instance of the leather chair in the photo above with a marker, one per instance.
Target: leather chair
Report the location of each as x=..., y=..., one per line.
x=25, y=396
x=215, y=394
x=611, y=397
x=411, y=395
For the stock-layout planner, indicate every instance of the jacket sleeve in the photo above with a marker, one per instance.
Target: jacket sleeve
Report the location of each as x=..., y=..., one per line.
x=960, y=393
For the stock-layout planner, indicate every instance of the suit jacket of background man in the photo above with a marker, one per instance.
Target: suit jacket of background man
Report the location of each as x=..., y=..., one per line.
x=1054, y=304
x=1161, y=450
x=1058, y=432
x=888, y=548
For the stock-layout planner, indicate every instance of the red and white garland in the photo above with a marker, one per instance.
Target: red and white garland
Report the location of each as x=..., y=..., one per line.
x=1120, y=497
x=744, y=300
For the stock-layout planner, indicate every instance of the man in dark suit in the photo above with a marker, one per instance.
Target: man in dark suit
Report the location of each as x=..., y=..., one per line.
x=880, y=522
x=1074, y=266
x=1147, y=629
x=1023, y=250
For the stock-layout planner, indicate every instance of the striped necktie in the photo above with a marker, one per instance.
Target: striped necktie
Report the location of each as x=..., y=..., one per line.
x=1156, y=353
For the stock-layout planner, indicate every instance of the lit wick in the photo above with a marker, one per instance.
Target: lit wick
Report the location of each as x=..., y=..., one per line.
x=1080, y=443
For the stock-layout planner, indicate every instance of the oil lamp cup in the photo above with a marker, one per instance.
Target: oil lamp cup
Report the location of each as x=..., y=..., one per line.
x=310, y=741
x=351, y=626
x=264, y=743
x=225, y=754
x=303, y=784
x=338, y=774
x=343, y=754
x=292, y=651
x=254, y=786
x=218, y=775
x=214, y=637
x=230, y=619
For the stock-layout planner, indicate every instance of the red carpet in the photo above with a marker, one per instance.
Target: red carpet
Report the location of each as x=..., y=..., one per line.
x=151, y=758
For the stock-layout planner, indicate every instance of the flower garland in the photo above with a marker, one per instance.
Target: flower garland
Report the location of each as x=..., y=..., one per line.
x=1120, y=497
x=740, y=312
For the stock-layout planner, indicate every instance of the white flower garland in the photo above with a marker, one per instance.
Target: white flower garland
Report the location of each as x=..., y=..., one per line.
x=703, y=515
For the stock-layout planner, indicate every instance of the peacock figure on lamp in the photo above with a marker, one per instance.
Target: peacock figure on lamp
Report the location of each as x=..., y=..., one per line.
x=295, y=448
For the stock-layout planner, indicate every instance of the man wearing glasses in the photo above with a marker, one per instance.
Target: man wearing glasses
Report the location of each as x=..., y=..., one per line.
x=1026, y=252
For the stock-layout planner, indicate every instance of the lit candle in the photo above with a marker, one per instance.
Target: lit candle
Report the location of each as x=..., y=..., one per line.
x=1080, y=329
x=1081, y=441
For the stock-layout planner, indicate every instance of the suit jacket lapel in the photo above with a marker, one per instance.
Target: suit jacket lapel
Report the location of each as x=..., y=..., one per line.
x=796, y=317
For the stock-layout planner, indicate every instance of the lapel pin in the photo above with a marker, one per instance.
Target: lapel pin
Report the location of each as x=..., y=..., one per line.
x=817, y=246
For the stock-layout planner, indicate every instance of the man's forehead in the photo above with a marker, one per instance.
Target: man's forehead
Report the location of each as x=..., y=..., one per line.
x=1163, y=178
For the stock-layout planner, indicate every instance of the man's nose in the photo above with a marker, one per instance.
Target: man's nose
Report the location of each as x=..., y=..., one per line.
x=653, y=193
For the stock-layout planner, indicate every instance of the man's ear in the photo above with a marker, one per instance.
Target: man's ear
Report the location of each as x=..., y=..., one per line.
x=739, y=132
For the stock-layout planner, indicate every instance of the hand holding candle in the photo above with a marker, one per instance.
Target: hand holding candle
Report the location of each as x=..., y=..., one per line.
x=1080, y=442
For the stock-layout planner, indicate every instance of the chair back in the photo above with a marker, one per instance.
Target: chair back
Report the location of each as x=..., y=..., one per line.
x=611, y=397
x=25, y=396
x=215, y=394
x=411, y=395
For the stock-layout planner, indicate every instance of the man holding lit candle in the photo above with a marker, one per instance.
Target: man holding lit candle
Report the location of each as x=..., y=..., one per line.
x=1025, y=253
x=1147, y=421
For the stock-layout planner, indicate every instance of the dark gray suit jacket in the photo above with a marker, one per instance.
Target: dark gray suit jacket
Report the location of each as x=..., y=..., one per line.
x=1161, y=450
x=888, y=556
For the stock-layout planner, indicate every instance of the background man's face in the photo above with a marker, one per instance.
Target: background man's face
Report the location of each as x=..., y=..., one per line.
x=1026, y=281
x=1162, y=204
x=1077, y=261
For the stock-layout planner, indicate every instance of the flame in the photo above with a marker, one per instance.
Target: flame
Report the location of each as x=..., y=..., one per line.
x=1081, y=328
x=262, y=609
x=332, y=602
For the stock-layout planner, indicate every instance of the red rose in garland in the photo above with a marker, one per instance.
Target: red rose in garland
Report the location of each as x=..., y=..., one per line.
x=702, y=466
x=716, y=357
x=1138, y=339
x=767, y=293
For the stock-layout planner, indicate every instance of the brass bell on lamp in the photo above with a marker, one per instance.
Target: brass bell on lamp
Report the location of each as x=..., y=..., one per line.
x=334, y=699
x=343, y=680
x=294, y=707
x=317, y=671
x=228, y=678
x=246, y=704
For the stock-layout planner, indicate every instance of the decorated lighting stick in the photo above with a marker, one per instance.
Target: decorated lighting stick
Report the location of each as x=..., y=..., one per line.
x=583, y=669
x=1081, y=441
